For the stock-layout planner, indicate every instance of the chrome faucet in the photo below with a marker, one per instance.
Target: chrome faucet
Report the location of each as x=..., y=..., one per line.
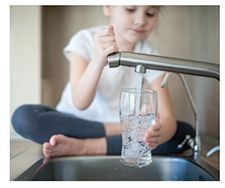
x=141, y=62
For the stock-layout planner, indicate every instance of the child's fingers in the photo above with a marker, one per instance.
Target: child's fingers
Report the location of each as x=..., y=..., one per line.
x=152, y=134
x=152, y=145
x=108, y=30
x=108, y=45
x=111, y=49
x=107, y=27
x=151, y=140
x=107, y=39
x=156, y=128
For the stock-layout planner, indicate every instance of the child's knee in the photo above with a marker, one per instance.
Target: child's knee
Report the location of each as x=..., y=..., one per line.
x=22, y=118
x=185, y=129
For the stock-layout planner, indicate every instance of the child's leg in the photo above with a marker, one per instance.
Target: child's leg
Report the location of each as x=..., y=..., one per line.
x=60, y=145
x=111, y=145
x=39, y=123
x=43, y=124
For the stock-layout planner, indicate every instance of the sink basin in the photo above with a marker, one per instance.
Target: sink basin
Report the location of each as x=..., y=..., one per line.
x=109, y=168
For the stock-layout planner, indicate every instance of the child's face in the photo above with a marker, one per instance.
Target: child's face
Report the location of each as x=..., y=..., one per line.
x=133, y=23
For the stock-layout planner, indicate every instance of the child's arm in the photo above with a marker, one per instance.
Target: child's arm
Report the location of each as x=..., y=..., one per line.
x=84, y=76
x=165, y=126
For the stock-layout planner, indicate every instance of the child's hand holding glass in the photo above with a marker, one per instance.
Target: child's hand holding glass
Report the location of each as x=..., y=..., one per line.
x=153, y=135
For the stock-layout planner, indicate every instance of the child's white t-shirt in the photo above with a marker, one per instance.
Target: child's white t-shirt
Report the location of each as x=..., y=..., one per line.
x=105, y=106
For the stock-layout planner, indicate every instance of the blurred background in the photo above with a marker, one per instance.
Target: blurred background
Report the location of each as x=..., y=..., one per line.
x=39, y=70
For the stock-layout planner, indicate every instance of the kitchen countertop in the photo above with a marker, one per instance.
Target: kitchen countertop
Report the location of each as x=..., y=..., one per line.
x=207, y=144
x=24, y=153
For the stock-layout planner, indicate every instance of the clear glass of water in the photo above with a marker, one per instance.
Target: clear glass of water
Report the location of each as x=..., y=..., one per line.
x=138, y=110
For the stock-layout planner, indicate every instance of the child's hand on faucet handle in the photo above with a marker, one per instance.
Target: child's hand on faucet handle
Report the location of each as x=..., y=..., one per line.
x=105, y=44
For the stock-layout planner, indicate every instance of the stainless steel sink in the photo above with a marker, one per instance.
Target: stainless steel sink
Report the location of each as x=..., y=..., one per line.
x=109, y=168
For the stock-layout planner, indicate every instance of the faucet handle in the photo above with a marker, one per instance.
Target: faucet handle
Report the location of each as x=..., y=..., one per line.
x=186, y=140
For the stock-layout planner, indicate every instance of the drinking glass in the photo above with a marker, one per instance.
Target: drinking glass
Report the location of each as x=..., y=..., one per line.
x=138, y=110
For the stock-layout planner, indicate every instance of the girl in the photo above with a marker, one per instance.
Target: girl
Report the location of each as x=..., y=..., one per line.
x=86, y=121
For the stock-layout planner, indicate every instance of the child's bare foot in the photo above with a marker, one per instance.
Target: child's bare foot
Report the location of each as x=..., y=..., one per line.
x=60, y=145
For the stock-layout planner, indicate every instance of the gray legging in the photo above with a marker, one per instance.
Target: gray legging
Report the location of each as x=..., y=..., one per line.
x=38, y=123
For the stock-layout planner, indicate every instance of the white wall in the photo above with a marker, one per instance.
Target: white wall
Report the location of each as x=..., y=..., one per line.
x=25, y=56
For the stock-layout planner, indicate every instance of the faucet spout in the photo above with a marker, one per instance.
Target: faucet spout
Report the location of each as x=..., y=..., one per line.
x=163, y=63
